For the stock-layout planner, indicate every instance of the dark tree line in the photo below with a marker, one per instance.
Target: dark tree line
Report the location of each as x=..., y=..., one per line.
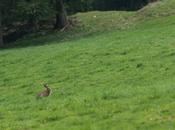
x=1, y=34
x=87, y=5
x=25, y=16
x=19, y=17
x=1, y=38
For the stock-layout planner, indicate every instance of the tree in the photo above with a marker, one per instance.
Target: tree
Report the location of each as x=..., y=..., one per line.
x=61, y=15
x=1, y=35
x=32, y=11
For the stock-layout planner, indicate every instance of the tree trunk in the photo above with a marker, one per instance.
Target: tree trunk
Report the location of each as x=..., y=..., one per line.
x=61, y=15
x=32, y=25
x=1, y=34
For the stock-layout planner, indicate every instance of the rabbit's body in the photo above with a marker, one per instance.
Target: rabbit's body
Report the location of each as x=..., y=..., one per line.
x=46, y=92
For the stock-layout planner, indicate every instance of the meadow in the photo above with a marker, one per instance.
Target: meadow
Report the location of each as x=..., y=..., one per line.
x=105, y=75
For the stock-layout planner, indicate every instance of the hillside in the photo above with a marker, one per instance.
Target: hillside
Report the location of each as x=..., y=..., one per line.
x=104, y=76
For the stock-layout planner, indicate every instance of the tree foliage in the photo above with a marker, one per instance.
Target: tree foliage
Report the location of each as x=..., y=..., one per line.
x=32, y=11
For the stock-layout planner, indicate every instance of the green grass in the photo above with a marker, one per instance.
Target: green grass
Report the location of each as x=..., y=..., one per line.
x=119, y=80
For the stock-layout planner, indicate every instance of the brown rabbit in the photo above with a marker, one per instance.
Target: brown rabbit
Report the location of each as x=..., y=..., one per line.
x=46, y=92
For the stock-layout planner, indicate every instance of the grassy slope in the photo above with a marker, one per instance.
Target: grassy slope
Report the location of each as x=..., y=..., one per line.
x=117, y=80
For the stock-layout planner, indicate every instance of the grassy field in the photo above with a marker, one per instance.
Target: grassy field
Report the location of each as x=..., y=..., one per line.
x=121, y=78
